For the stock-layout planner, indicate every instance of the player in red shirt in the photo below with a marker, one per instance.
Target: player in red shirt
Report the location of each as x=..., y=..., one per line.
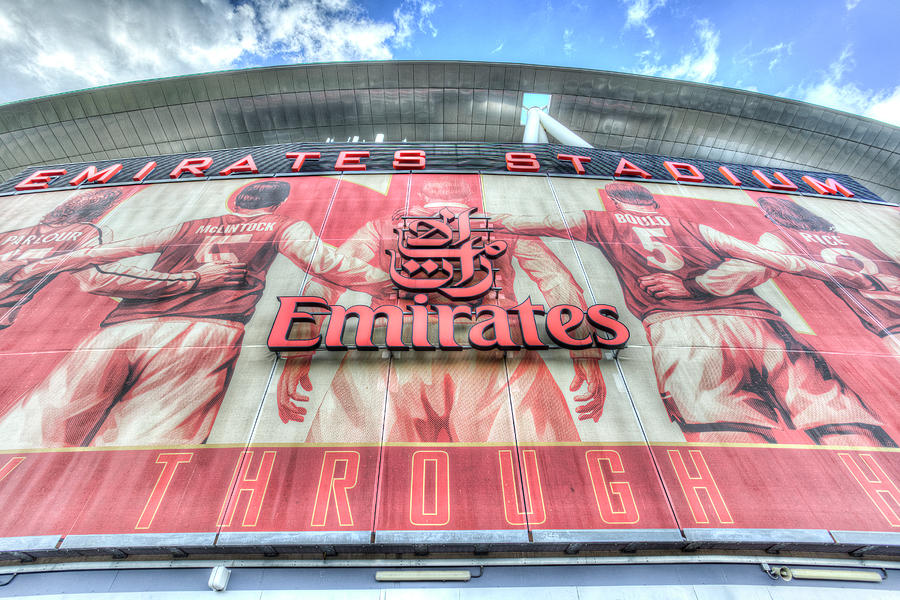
x=445, y=397
x=877, y=310
x=802, y=232
x=729, y=369
x=73, y=225
x=158, y=369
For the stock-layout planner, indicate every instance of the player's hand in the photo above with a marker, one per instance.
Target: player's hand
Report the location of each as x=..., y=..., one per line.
x=220, y=274
x=663, y=285
x=294, y=378
x=12, y=268
x=890, y=282
x=587, y=372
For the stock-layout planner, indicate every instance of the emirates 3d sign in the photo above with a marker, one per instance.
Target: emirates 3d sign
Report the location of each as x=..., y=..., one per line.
x=448, y=254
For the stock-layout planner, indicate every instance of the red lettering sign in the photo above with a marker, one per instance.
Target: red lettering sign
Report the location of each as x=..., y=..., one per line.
x=244, y=165
x=429, y=488
x=731, y=177
x=700, y=490
x=92, y=175
x=170, y=462
x=338, y=476
x=530, y=511
x=784, y=184
x=409, y=159
x=627, y=169
x=615, y=499
x=522, y=162
x=677, y=169
x=194, y=166
x=40, y=179
x=606, y=318
x=577, y=161
x=145, y=170
x=442, y=254
x=300, y=158
x=829, y=188
x=561, y=321
x=288, y=315
x=243, y=485
x=349, y=160
x=880, y=488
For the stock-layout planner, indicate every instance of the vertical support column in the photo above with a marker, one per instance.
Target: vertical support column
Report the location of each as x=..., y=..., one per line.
x=533, y=127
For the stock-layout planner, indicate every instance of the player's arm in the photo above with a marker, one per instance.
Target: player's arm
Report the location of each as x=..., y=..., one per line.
x=295, y=385
x=552, y=225
x=98, y=255
x=788, y=263
x=730, y=277
x=299, y=243
x=123, y=281
x=559, y=287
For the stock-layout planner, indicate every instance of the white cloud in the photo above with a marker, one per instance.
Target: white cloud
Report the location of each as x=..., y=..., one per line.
x=700, y=63
x=414, y=11
x=638, y=12
x=886, y=107
x=498, y=48
x=568, y=46
x=851, y=4
x=832, y=91
x=110, y=41
x=772, y=54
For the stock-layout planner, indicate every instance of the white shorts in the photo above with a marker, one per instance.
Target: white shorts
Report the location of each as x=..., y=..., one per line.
x=727, y=372
x=147, y=382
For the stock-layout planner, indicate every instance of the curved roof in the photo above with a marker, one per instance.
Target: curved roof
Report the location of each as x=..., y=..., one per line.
x=444, y=101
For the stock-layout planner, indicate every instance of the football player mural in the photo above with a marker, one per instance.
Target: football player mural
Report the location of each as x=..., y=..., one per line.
x=760, y=376
x=801, y=231
x=72, y=225
x=155, y=343
x=156, y=371
x=441, y=397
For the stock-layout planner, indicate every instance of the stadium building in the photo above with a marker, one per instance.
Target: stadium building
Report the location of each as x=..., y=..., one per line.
x=431, y=321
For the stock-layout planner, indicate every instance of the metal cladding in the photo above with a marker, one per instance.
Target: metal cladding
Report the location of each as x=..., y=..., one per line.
x=444, y=101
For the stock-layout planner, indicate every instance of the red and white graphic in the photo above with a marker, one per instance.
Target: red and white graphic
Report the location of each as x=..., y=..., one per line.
x=172, y=357
x=215, y=436
x=71, y=225
x=801, y=231
x=442, y=398
x=753, y=375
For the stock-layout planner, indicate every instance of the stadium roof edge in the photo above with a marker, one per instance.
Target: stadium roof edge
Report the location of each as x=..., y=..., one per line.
x=618, y=111
x=465, y=62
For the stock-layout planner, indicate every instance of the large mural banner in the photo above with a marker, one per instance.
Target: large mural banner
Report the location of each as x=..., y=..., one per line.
x=469, y=383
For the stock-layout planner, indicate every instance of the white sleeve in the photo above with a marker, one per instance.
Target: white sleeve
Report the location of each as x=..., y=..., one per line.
x=728, y=245
x=735, y=275
x=121, y=281
x=300, y=244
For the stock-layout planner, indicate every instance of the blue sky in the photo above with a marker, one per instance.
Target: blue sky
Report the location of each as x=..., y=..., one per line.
x=838, y=53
